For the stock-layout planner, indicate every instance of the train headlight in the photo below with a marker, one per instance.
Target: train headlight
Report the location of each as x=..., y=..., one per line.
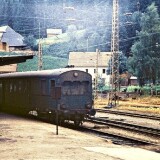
x=75, y=74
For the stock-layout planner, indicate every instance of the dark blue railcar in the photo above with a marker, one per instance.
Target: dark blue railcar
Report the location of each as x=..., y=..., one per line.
x=44, y=92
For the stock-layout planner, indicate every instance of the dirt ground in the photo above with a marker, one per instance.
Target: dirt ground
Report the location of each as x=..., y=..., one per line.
x=22, y=139
x=142, y=104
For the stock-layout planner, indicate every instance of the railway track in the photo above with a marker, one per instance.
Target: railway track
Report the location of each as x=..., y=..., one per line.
x=118, y=139
x=151, y=132
x=129, y=114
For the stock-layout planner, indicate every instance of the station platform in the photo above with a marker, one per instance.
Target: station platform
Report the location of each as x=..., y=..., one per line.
x=22, y=139
x=126, y=153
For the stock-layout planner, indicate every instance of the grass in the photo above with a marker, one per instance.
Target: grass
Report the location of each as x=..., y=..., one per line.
x=146, y=104
x=49, y=62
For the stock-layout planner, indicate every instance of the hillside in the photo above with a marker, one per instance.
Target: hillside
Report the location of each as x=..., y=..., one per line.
x=65, y=37
x=49, y=62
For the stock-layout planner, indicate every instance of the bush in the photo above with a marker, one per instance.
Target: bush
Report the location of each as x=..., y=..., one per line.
x=132, y=88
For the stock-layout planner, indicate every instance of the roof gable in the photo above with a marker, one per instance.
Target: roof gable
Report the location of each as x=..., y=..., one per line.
x=11, y=37
x=89, y=59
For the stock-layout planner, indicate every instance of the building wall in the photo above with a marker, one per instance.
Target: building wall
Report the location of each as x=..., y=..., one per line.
x=101, y=73
x=53, y=32
x=8, y=68
x=88, y=61
x=4, y=47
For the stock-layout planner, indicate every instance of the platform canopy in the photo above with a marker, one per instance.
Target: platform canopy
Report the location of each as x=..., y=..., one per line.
x=14, y=59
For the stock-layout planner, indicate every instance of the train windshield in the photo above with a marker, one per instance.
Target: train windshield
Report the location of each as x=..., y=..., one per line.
x=75, y=88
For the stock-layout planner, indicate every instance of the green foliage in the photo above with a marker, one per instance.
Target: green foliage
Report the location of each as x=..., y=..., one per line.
x=104, y=88
x=145, y=62
x=57, y=50
x=146, y=90
x=122, y=64
x=49, y=62
x=31, y=42
x=132, y=88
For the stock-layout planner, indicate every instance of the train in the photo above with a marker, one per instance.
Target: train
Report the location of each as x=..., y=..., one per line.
x=66, y=92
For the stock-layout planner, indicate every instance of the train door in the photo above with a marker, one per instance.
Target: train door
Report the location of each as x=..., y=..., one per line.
x=27, y=90
x=55, y=91
x=22, y=94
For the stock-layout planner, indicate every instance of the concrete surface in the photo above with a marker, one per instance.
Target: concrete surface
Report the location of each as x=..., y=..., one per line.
x=24, y=139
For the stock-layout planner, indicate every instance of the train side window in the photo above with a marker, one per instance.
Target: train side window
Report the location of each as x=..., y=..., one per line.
x=53, y=89
x=14, y=87
x=7, y=87
x=0, y=85
x=43, y=87
x=52, y=83
x=10, y=87
x=19, y=86
x=24, y=86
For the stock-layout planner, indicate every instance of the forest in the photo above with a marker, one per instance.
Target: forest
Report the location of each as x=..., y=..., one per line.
x=139, y=29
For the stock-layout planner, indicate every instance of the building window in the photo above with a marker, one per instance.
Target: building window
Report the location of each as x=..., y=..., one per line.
x=103, y=71
x=87, y=70
x=94, y=70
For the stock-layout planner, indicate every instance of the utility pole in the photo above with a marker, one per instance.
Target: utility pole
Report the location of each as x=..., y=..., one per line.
x=39, y=51
x=40, y=55
x=138, y=5
x=113, y=95
x=96, y=74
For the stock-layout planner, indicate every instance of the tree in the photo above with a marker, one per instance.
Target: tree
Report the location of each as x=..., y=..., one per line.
x=31, y=42
x=122, y=64
x=145, y=62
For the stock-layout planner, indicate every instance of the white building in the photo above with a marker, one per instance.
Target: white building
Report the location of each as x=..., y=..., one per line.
x=53, y=32
x=91, y=62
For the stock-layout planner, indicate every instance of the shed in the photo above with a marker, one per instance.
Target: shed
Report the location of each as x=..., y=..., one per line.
x=133, y=81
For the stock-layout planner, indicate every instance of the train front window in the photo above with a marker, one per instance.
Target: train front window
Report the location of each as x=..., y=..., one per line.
x=75, y=88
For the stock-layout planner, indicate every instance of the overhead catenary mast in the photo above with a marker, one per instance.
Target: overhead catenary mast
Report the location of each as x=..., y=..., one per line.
x=40, y=63
x=114, y=80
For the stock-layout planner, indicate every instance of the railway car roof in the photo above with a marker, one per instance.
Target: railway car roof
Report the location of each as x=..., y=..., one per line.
x=54, y=72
